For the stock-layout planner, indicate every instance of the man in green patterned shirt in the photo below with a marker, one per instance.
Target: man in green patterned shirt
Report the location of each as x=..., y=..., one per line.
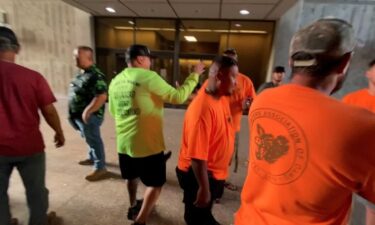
x=87, y=97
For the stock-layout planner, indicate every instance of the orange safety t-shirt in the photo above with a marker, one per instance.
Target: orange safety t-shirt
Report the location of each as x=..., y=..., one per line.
x=308, y=154
x=361, y=98
x=207, y=134
x=245, y=89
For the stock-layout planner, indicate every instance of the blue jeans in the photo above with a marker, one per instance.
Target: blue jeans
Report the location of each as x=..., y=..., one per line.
x=32, y=170
x=91, y=133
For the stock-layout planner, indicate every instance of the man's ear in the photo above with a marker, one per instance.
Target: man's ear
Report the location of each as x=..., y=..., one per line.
x=218, y=80
x=139, y=60
x=344, y=64
x=290, y=61
x=367, y=74
x=18, y=49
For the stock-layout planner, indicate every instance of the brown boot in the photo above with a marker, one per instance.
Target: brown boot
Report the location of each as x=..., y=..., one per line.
x=98, y=174
x=14, y=221
x=52, y=218
x=86, y=162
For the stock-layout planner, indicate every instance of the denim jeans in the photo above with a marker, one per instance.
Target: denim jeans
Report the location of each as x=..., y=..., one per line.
x=91, y=133
x=32, y=170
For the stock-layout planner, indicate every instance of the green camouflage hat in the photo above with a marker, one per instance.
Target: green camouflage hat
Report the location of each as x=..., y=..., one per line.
x=325, y=38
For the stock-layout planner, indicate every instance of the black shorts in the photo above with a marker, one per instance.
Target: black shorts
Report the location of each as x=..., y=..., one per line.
x=151, y=169
x=189, y=184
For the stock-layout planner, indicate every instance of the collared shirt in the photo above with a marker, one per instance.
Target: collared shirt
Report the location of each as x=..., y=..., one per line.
x=84, y=88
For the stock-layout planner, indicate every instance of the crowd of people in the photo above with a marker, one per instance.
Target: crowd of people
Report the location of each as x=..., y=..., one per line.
x=309, y=153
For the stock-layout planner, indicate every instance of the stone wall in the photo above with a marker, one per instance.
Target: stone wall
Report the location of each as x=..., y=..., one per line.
x=48, y=31
x=286, y=26
x=360, y=14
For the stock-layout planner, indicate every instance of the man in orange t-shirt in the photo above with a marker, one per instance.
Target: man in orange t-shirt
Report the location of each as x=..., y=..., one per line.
x=207, y=145
x=365, y=98
x=240, y=102
x=309, y=152
x=243, y=95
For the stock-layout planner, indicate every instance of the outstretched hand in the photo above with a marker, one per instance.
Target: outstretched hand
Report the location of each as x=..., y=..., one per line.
x=199, y=68
x=214, y=69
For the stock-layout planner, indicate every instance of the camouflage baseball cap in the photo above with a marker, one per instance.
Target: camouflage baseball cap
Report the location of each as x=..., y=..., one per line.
x=325, y=38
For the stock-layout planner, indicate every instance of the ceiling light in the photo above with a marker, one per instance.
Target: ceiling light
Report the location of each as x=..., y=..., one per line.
x=237, y=25
x=110, y=9
x=244, y=12
x=131, y=22
x=190, y=38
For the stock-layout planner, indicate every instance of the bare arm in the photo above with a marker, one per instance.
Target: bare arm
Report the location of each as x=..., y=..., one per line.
x=203, y=194
x=94, y=106
x=52, y=118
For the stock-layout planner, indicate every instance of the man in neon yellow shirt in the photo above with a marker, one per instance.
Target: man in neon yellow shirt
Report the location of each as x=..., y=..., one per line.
x=136, y=99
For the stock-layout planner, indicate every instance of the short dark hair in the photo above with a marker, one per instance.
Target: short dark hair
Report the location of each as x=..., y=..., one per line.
x=230, y=51
x=8, y=40
x=371, y=64
x=279, y=69
x=225, y=62
x=136, y=50
x=85, y=48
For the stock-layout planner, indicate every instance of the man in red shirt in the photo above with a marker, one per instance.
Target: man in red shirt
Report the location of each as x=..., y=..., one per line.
x=23, y=92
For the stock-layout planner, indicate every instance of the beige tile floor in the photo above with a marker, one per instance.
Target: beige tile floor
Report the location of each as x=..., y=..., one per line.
x=80, y=202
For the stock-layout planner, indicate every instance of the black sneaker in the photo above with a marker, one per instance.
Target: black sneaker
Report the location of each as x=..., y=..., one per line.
x=133, y=211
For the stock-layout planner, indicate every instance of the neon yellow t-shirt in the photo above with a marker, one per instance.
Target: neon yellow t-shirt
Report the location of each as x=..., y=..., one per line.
x=136, y=100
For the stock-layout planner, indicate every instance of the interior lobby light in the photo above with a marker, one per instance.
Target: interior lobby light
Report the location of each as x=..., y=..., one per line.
x=110, y=9
x=237, y=25
x=244, y=12
x=190, y=38
x=194, y=30
x=131, y=22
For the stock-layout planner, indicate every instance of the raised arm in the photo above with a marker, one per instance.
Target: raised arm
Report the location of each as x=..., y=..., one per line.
x=178, y=95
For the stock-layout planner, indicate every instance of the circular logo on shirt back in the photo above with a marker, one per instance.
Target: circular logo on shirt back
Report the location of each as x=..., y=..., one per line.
x=279, y=151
